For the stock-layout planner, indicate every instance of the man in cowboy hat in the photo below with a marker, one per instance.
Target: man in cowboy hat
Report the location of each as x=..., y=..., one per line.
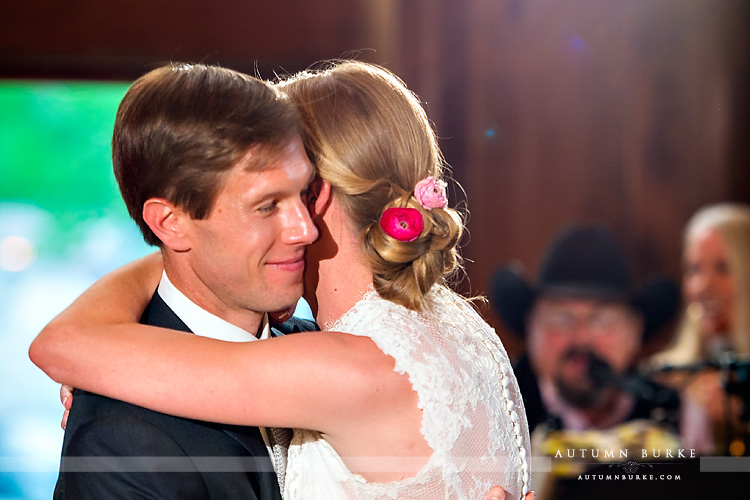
x=584, y=326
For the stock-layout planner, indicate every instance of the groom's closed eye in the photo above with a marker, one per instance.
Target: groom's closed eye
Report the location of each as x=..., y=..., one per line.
x=268, y=208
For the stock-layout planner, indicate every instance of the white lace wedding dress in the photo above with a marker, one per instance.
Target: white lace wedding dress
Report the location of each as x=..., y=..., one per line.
x=473, y=415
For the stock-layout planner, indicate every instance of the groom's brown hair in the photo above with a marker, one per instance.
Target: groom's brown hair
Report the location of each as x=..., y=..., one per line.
x=181, y=127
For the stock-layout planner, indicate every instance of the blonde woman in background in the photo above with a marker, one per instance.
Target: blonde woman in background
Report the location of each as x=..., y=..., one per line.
x=715, y=324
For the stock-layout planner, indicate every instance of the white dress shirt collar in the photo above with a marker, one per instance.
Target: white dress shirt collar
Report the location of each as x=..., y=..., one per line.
x=202, y=322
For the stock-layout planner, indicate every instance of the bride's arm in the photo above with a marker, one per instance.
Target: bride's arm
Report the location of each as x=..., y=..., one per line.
x=323, y=380
x=320, y=381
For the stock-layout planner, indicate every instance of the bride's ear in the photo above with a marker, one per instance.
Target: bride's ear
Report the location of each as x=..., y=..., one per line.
x=167, y=222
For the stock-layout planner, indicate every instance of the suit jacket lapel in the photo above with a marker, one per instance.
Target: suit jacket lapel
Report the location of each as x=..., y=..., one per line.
x=158, y=313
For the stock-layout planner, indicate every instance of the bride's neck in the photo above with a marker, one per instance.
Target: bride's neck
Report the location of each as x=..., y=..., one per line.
x=343, y=277
x=339, y=289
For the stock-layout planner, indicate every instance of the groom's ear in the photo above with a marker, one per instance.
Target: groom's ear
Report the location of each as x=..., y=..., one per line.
x=166, y=221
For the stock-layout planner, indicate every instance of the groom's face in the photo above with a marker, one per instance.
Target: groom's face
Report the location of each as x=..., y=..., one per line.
x=248, y=254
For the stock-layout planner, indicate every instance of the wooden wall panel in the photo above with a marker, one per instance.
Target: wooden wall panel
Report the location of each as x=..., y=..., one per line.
x=122, y=39
x=631, y=114
x=600, y=118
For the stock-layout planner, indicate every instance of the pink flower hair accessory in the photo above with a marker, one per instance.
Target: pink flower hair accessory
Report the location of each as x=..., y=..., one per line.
x=430, y=193
x=403, y=224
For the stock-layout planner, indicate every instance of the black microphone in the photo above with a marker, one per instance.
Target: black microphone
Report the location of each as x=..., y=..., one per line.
x=632, y=383
x=601, y=373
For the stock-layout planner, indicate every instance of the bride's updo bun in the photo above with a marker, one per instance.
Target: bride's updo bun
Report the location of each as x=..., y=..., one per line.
x=369, y=136
x=404, y=271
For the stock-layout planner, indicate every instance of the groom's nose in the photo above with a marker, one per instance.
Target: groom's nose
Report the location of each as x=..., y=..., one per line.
x=299, y=228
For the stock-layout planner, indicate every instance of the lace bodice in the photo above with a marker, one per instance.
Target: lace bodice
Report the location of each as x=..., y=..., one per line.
x=472, y=413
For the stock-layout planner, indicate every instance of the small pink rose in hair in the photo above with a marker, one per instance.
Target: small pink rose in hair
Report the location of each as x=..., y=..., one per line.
x=403, y=224
x=430, y=193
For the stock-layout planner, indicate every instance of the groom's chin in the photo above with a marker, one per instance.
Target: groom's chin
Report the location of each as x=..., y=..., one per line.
x=285, y=298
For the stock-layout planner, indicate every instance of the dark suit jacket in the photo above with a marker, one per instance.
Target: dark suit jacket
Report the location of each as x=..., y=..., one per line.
x=203, y=460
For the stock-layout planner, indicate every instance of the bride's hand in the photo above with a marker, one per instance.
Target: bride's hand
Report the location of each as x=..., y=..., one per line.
x=66, y=398
x=497, y=493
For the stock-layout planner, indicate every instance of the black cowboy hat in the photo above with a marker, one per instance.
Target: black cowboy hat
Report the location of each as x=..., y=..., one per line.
x=584, y=262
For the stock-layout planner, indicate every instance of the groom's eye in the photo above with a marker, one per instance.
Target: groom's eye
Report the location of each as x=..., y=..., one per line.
x=267, y=209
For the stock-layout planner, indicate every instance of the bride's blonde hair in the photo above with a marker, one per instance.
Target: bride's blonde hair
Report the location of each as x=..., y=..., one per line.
x=370, y=138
